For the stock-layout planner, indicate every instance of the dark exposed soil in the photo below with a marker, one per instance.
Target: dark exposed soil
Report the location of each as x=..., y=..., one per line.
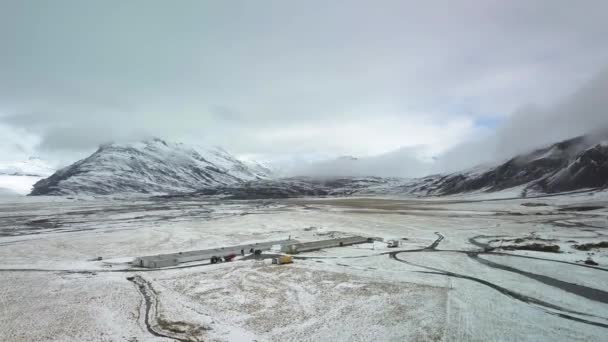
x=534, y=204
x=591, y=262
x=582, y=208
x=539, y=247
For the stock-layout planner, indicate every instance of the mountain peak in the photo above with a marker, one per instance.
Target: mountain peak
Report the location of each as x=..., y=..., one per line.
x=149, y=166
x=571, y=164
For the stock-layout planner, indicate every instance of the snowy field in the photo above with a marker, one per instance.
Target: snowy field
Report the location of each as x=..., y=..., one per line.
x=459, y=274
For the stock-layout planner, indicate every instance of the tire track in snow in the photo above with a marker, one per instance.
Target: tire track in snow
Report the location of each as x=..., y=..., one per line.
x=436, y=242
x=545, y=306
x=579, y=290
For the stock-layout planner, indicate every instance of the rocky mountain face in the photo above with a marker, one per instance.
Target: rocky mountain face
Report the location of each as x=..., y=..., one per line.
x=152, y=166
x=572, y=164
x=589, y=169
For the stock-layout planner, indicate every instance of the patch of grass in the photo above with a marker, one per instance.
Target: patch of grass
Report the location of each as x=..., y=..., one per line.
x=590, y=246
x=535, y=247
x=180, y=327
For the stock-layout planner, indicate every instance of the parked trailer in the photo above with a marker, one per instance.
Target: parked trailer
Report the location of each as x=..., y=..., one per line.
x=392, y=243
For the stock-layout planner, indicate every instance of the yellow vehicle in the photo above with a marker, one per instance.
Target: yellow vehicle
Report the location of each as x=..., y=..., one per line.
x=283, y=259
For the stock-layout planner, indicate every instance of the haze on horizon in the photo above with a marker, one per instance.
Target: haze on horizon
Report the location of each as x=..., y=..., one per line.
x=420, y=86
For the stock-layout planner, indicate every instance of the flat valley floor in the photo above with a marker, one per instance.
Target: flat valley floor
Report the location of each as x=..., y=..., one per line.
x=466, y=269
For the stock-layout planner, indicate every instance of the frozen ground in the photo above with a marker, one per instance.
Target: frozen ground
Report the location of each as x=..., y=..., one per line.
x=458, y=274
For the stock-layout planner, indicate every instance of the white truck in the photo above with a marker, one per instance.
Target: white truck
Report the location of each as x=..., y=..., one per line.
x=392, y=243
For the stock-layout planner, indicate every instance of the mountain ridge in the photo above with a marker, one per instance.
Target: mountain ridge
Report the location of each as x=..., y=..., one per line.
x=157, y=167
x=150, y=166
x=571, y=164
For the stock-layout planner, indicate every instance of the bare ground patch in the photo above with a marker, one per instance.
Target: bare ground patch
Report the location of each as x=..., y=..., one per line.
x=297, y=302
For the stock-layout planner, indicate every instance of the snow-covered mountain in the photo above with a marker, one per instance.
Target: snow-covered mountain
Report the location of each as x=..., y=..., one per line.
x=572, y=164
x=32, y=166
x=17, y=177
x=155, y=166
x=151, y=166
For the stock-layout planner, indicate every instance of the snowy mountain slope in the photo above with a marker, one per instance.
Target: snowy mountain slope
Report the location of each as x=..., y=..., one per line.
x=32, y=166
x=572, y=164
x=258, y=167
x=589, y=169
x=246, y=169
x=18, y=177
x=21, y=185
x=152, y=166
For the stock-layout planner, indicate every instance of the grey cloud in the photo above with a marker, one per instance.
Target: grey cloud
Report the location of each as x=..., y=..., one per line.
x=238, y=73
x=585, y=112
x=403, y=162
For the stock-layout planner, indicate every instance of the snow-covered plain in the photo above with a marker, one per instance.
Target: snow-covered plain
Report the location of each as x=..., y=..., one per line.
x=438, y=285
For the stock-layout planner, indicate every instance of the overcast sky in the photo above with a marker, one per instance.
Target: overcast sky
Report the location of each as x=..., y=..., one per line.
x=280, y=78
